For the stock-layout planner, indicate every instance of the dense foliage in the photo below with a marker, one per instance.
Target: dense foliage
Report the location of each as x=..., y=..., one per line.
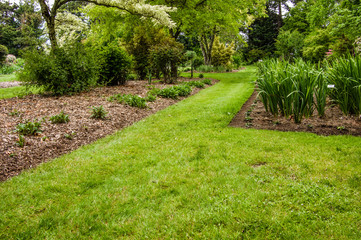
x=166, y=57
x=345, y=75
x=222, y=54
x=21, y=25
x=297, y=89
x=115, y=64
x=66, y=70
x=289, y=89
x=3, y=52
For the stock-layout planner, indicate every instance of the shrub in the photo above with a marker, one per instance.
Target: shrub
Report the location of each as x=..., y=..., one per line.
x=29, y=128
x=3, y=52
x=131, y=77
x=198, y=61
x=316, y=45
x=222, y=54
x=66, y=70
x=345, y=74
x=201, y=76
x=139, y=47
x=130, y=100
x=60, y=118
x=166, y=57
x=255, y=55
x=207, y=81
x=237, y=60
x=115, y=64
x=98, y=112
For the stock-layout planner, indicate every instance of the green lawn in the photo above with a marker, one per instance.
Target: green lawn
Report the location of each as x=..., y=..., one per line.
x=17, y=91
x=183, y=173
x=8, y=78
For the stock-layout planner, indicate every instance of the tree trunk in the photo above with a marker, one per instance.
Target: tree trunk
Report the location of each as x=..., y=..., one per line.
x=192, y=63
x=279, y=20
x=207, y=46
x=50, y=22
x=52, y=34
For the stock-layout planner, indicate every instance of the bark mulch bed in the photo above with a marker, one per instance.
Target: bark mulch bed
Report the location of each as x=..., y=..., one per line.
x=58, y=139
x=333, y=123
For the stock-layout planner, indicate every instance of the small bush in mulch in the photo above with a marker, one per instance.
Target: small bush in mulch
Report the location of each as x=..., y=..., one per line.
x=197, y=84
x=98, y=112
x=60, y=118
x=130, y=100
x=29, y=128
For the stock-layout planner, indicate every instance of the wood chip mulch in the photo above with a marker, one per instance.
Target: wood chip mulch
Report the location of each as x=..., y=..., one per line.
x=333, y=123
x=58, y=139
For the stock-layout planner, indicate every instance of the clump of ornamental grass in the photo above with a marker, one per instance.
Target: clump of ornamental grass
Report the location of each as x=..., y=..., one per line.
x=345, y=75
x=291, y=89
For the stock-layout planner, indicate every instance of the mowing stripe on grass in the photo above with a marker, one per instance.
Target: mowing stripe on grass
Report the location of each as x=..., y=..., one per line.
x=182, y=173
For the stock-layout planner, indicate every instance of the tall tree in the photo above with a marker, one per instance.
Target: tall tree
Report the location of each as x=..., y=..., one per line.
x=20, y=25
x=205, y=19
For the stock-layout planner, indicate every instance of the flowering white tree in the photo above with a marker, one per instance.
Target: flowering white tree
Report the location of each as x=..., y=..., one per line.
x=158, y=13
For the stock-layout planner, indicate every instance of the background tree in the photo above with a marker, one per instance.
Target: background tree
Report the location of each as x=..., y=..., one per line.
x=21, y=25
x=205, y=19
x=261, y=36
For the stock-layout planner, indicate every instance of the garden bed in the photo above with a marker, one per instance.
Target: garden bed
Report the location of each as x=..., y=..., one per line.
x=333, y=123
x=58, y=139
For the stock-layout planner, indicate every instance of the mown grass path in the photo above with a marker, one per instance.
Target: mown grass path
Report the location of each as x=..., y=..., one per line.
x=182, y=173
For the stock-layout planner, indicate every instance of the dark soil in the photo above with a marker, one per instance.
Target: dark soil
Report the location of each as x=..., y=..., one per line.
x=333, y=123
x=58, y=139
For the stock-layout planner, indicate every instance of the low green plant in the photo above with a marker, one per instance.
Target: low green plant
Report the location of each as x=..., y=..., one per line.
x=29, y=128
x=200, y=75
x=175, y=91
x=21, y=141
x=220, y=69
x=341, y=128
x=154, y=91
x=169, y=93
x=70, y=136
x=14, y=113
x=8, y=69
x=150, y=98
x=183, y=90
x=98, y=112
x=130, y=100
x=197, y=84
x=60, y=118
x=205, y=68
x=207, y=81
